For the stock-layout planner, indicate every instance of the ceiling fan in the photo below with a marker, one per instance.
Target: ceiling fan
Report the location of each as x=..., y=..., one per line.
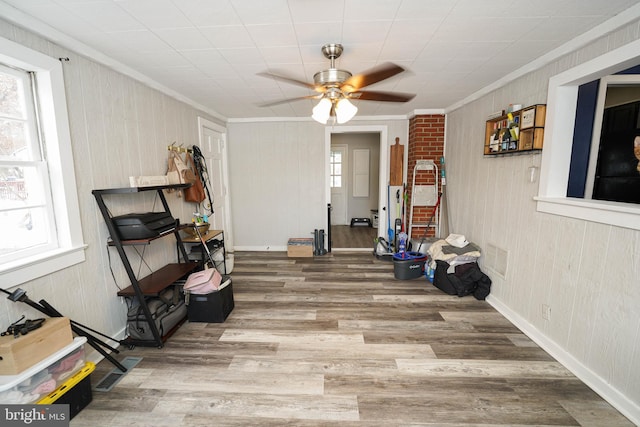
x=336, y=87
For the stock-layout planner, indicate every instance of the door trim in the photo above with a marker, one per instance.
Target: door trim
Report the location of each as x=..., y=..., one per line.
x=382, y=131
x=228, y=228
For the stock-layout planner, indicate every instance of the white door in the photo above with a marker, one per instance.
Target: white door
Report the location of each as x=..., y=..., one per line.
x=338, y=177
x=213, y=147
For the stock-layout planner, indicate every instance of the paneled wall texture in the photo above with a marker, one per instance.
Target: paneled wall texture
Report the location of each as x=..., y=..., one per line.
x=586, y=273
x=119, y=128
x=426, y=142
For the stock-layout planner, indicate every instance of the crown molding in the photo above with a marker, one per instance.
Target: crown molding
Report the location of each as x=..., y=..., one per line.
x=29, y=23
x=623, y=18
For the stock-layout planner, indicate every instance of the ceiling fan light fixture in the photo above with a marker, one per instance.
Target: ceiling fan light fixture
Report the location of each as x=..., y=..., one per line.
x=322, y=111
x=345, y=110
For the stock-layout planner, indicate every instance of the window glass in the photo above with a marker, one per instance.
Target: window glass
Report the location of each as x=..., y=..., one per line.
x=336, y=169
x=25, y=228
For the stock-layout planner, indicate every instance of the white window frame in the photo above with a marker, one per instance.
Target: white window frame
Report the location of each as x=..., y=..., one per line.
x=605, y=82
x=558, y=136
x=55, y=129
x=332, y=175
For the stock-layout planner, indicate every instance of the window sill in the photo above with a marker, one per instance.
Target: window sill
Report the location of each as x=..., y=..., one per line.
x=618, y=214
x=37, y=266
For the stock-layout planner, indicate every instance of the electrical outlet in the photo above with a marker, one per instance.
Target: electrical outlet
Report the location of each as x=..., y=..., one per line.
x=546, y=312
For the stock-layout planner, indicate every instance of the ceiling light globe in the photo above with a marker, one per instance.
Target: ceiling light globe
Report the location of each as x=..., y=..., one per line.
x=322, y=111
x=345, y=110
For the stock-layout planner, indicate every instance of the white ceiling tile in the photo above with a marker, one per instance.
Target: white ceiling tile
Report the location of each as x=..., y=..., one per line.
x=204, y=56
x=370, y=10
x=29, y=5
x=485, y=8
x=206, y=13
x=152, y=60
x=491, y=28
x=253, y=12
x=427, y=9
x=281, y=55
x=218, y=71
x=555, y=28
x=231, y=36
x=396, y=52
x=242, y=55
x=183, y=38
x=319, y=34
x=365, y=32
x=211, y=50
x=272, y=35
x=590, y=8
x=139, y=40
x=155, y=13
x=105, y=15
x=413, y=31
x=306, y=11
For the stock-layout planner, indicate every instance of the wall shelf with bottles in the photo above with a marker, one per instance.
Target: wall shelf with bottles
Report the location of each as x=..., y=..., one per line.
x=515, y=132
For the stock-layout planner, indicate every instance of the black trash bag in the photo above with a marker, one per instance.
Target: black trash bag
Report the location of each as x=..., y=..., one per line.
x=466, y=279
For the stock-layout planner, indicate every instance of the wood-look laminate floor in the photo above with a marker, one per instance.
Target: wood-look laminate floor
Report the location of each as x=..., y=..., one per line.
x=345, y=236
x=337, y=341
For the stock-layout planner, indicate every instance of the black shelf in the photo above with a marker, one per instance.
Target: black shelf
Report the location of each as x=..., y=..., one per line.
x=514, y=153
x=151, y=285
x=209, y=237
x=126, y=190
x=160, y=279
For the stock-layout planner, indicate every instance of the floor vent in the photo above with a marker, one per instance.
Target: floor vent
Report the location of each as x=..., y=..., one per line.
x=497, y=259
x=112, y=378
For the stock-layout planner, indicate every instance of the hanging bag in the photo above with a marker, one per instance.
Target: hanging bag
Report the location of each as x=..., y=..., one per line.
x=195, y=193
x=175, y=168
x=201, y=167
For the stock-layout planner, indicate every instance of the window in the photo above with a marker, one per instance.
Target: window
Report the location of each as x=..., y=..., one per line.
x=39, y=214
x=24, y=209
x=336, y=169
x=604, y=162
x=556, y=156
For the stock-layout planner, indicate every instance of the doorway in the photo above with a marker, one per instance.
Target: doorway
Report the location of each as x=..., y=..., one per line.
x=214, y=148
x=357, y=168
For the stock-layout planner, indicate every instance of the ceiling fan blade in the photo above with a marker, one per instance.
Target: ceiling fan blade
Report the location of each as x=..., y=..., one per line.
x=371, y=76
x=293, y=81
x=382, y=96
x=284, y=101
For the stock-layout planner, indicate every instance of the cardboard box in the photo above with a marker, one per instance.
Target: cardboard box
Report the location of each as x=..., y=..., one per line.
x=300, y=247
x=19, y=354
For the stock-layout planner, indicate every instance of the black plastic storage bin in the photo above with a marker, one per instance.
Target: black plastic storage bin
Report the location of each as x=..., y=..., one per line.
x=78, y=397
x=210, y=308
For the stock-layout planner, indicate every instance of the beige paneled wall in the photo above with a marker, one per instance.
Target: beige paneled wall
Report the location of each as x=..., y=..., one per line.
x=276, y=182
x=119, y=127
x=278, y=179
x=587, y=273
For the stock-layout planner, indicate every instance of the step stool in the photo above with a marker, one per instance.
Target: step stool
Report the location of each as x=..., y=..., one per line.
x=361, y=221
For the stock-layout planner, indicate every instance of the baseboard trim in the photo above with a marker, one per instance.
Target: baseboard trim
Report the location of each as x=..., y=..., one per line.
x=628, y=408
x=260, y=248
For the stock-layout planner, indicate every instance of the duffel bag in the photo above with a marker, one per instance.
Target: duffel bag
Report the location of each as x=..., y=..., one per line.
x=466, y=279
x=166, y=311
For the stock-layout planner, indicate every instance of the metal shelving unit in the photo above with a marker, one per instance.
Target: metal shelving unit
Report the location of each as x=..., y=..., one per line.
x=153, y=284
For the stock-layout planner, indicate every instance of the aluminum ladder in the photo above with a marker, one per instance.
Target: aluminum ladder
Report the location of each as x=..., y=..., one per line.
x=425, y=195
